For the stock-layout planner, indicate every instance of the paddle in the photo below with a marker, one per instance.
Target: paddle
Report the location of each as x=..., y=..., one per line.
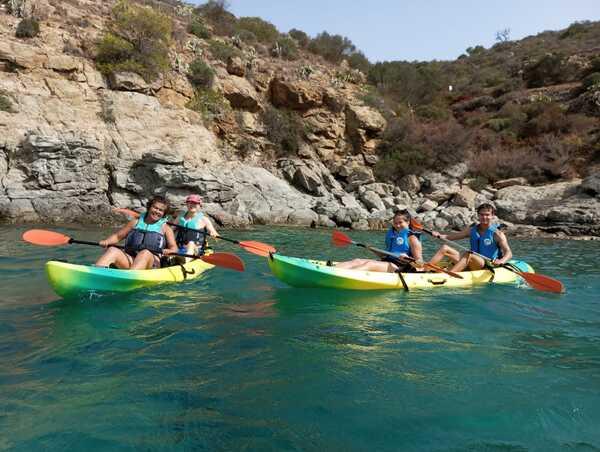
x=535, y=280
x=340, y=239
x=258, y=248
x=50, y=238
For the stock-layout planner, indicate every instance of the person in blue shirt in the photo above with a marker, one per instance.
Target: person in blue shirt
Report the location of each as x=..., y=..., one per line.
x=399, y=240
x=146, y=240
x=486, y=239
x=192, y=241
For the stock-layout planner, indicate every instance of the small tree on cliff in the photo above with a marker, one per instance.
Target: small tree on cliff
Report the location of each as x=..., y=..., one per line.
x=137, y=40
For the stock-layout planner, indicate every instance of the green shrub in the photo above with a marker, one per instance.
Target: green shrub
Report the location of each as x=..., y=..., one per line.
x=5, y=102
x=222, y=51
x=210, y=104
x=372, y=98
x=112, y=50
x=574, y=30
x=594, y=65
x=28, y=28
x=547, y=70
x=358, y=60
x=434, y=112
x=215, y=12
x=590, y=80
x=545, y=117
x=301, y=38
x=137, y=40
x=331, y=47
x=264, y=31
x=284, y=130
x=285, y=48
x=201, y=74
x=499, y=124
x=403, y=159
x=479, y=183
x=198, y=29
x=247, y=36
x=107, y=110
x=477, y=50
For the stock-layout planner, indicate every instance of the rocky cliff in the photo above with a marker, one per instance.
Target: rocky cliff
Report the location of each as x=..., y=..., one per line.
x=75, y=144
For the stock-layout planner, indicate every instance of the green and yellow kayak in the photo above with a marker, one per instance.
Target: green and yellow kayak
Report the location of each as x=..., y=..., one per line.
x=300, y=272
x=71, y=280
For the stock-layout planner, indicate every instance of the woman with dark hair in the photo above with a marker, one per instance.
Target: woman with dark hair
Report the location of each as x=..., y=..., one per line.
x=400, y=241
x=147, y=239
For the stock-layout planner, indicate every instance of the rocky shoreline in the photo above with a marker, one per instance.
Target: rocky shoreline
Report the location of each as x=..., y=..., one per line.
x=58, y=179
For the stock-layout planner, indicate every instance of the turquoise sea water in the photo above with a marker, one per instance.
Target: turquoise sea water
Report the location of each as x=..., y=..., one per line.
x=242, y=362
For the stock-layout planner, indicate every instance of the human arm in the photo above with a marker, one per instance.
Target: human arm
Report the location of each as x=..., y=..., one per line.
x=453, y=235
x=116, y=237
x=503, y=245
x=210, y=228
x=171, y=247
x=416, y=249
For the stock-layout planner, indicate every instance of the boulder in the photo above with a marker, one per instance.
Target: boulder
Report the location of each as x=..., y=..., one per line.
x=307, y=180
x=465, y=197
x=298, y=95
x=240, y=94
x=303, y=217
x=128, y=81
x=510, y=182
x=63, y=63
x=591, y=185
x=410, y=183
x=364, y=125
x=22, y=55
x=372, y=200
x=235, y=66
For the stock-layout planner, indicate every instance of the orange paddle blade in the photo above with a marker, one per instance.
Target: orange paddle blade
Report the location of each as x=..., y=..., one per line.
x=542, y=282
x=128, y=212
x=415, y=225
x=258, y=248
x=340, y=239
x=45, y=238
x=226, y=260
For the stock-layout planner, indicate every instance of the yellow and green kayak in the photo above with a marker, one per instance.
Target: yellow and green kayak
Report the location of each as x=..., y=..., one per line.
x=71, y=280
x=300, y=272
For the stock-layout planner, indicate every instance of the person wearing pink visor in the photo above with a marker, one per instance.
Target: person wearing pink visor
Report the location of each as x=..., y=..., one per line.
x=192, y=241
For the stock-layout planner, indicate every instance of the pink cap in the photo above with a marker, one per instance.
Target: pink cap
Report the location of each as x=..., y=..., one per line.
x=196, y=199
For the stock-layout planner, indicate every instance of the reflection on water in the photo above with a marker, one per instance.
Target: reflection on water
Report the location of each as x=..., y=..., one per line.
x=241, y=361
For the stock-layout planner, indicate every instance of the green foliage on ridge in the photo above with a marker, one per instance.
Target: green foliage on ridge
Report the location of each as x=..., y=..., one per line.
x=137, y=40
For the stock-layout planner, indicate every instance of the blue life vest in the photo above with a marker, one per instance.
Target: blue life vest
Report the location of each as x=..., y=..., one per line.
x=396, y=242
x=146, y=237
x=185, y=236
x=485, y=244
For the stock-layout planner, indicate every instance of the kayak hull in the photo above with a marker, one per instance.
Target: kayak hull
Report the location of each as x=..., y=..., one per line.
x=72, y=280
x=298, y=272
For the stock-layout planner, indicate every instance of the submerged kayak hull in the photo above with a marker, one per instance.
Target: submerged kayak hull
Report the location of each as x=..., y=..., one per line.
x=71, y=280
x=298, y=272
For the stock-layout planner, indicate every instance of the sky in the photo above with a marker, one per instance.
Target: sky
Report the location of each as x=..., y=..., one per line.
x=425, y=30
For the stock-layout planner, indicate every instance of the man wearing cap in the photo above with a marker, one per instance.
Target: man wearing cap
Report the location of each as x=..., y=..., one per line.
x=189, y=238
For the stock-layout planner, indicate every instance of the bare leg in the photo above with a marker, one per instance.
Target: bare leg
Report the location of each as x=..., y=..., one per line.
x=114, y=256
x=368, y=265
x=351, y=264
x=469, y=261
x=191, y=248
x=144, y=260
x=445, y=251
